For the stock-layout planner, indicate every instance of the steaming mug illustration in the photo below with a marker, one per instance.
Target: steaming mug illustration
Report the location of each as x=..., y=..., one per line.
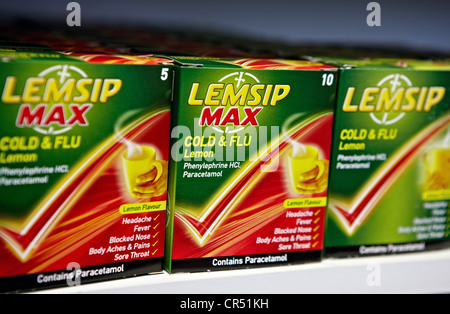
x=142, y=172
x=437, y=167
x=308, y=173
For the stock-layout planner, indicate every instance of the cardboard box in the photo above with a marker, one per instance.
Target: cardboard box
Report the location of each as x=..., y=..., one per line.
x=389, y=187
x=84, y=148
x=249, y=163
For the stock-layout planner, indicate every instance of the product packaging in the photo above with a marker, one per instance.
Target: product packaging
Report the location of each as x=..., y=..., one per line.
x=84, y=148
x=389, y=187
x=249, y=163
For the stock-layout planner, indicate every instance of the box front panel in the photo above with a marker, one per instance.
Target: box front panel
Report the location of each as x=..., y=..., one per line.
x=83, y=171
x=250, y=162
x=389, y=186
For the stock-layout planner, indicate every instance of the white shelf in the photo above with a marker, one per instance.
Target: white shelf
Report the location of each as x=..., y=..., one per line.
x=426, y=272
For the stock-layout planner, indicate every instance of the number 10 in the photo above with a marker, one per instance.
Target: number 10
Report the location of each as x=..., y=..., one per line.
x=327, y=79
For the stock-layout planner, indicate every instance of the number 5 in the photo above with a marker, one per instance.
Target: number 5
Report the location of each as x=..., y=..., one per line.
x=164, y=74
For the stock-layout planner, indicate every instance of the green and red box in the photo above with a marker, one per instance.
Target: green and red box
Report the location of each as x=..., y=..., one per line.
x=389, y=187
x=235, y=198
x=68, y=126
